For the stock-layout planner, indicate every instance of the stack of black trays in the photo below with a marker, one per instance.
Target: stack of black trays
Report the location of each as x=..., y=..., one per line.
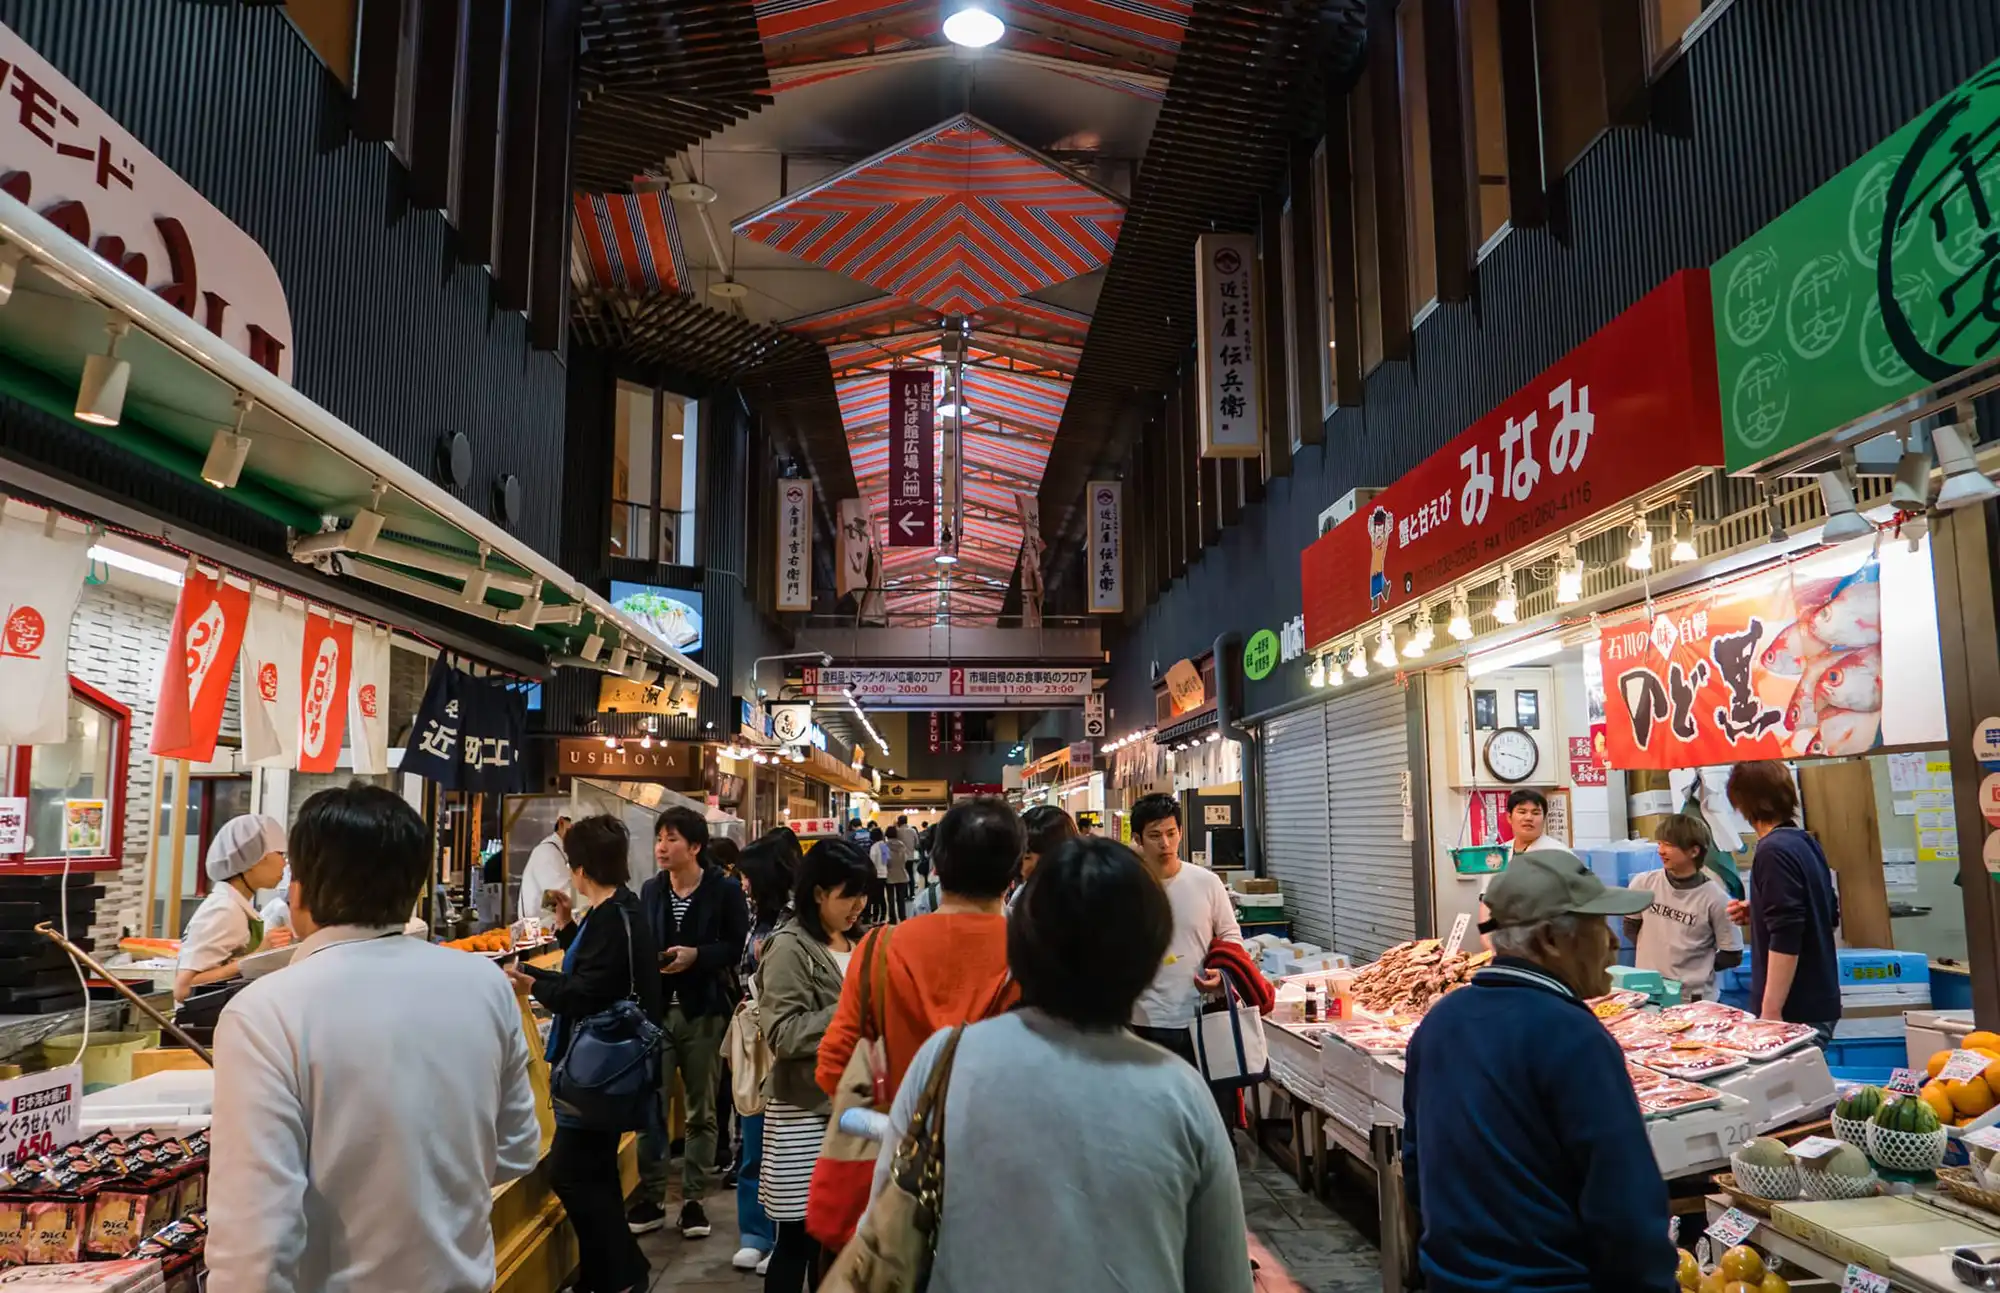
x=36, y=976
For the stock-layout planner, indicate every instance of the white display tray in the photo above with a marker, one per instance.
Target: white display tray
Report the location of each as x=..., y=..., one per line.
x=1784, y=1090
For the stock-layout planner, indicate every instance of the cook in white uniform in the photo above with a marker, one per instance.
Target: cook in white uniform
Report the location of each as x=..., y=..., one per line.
x=277, y=909
x=547, y=872
x=246, y=855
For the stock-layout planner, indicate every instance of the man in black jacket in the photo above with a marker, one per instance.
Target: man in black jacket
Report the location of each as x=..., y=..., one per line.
x=699, y=921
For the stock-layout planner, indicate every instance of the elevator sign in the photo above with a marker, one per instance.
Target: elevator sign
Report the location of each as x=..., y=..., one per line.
x=912, y=455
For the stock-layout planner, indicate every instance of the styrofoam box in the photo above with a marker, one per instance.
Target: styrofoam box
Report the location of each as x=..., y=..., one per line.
x=1345, y=1065
x=1385, y=1080
x=1855, y=1027
x=175, y=1093
x=1298, y=1051
x=1784, y=1090
x=1700, y=1141
x=1931, y=1031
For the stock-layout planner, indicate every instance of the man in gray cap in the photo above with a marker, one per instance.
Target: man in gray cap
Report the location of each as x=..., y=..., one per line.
x=1562, y=1194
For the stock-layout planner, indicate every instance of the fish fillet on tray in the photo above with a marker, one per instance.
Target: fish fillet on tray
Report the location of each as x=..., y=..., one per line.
x=1661, y=1096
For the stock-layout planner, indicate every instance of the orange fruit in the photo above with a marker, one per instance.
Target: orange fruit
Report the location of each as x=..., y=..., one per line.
x=1934, y=1095
x=1774, y=1283
x=1742, y=1263
x=1970, y=1097
x=1981, y=1041
x=1935, y=1064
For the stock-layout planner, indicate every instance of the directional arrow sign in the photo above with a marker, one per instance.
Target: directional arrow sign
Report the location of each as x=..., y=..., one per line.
x=912, y=457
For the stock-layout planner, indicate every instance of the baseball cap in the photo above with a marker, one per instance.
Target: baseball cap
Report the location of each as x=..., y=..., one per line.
x=1545, y=883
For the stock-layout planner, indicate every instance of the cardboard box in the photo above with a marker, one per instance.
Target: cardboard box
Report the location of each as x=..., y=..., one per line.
x=1253, y=884
x=1874, y=1232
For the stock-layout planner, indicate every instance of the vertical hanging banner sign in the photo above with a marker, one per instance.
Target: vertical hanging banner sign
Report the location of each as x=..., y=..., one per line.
x=957, y=732
x=326, y=666
x=41, y=580
x=937, y=732
x=1106, y=547
x=469, y=734
x=368, y=702
x=1029, y=506
x=273, y=640
x=1226, y=365
x=854, y=540
x=209, y=620
x=795, y=537
x=912, y=459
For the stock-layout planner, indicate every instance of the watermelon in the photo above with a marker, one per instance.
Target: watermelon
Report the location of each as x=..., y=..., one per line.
x=1907, y=1115
x=1860, y=1104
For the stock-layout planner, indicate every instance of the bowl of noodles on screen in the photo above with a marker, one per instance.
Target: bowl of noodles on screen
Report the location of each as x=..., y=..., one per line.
x=673, y=613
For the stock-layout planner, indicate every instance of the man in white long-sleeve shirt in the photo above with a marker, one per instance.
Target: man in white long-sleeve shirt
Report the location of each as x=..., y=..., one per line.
x=369, y=1096
x=547, y=872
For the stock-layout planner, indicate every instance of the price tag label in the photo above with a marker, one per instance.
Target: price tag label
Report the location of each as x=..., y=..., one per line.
x=1985, y=1138
x=1732, y=1227
x=1458, y=928
x=1813, y=1148
x=1906, y=1082
x=1861, y=1280
x=1963, y=1066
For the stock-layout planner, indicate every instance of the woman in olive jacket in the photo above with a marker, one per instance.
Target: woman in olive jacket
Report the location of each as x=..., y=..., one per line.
x=798, y=986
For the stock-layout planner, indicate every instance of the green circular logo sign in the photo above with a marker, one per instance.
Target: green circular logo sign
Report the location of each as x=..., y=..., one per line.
x=1260, y=655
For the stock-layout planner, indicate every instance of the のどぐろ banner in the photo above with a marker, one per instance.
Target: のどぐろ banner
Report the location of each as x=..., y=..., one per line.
x=1818, y=658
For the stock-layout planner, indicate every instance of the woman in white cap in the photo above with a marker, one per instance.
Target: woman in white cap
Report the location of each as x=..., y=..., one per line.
x=247, y=854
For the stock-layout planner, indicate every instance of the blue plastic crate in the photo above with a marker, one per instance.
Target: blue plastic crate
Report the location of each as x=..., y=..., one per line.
x=1866, y=1059
x=1875, y=967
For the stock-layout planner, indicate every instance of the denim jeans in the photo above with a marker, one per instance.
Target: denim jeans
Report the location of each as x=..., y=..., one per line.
x=757, y=1230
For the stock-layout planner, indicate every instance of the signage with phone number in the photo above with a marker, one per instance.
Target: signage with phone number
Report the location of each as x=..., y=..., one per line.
x=891, y=685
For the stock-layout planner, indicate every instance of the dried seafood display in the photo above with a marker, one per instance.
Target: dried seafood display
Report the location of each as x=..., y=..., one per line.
x=1410, y=976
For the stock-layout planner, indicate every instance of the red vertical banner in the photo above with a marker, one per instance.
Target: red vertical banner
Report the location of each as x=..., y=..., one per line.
x=195, y=670
x=957, y=732
x=912, y=459
x=325, y=668
x=937, y=732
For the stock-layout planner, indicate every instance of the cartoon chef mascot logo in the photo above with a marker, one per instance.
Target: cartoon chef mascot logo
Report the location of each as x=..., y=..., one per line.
x=1380, y=525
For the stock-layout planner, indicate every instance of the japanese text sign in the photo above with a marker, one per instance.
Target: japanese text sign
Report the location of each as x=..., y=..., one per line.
x=1788, y=664
x=1732, y=1227
x=469, y=734
x=795, y=537
x=1882, y=281
x=1628, y=410
x=1105, y=547
x=891, y=686
x=70, y=161
x=39, y=1112
x=1225, y=283
x=912, y=458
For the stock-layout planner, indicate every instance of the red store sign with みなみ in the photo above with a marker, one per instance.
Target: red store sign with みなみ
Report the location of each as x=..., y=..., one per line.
x=1631, y=408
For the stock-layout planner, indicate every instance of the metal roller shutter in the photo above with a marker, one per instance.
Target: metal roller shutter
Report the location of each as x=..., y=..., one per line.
x=1371, y=872
x=1295, y=821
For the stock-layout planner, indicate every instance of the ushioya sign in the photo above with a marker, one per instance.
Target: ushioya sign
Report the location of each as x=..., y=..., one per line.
x=1884, y=281
x=68, y=160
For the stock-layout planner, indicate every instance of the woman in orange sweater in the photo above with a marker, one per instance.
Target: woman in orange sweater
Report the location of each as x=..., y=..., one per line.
x=946, y=968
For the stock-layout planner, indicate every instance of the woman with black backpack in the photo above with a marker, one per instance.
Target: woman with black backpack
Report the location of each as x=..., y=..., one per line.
x=600, y=955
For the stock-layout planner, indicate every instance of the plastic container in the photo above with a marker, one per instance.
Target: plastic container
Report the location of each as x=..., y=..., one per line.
x=1875, y=966
x=1866, y=1059
x=107, y=1062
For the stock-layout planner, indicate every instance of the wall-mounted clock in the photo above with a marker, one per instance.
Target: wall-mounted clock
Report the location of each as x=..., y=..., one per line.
x=1511, y=754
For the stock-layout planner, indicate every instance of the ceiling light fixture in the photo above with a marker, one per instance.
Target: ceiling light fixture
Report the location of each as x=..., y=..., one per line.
x=1385, y=646
x=951, y=410
x=100, y=396
x=1964, y=483
x=1506, y=605
x=1460, y=624
x=10, y=269
x=1357, y=657
x=1775, y=515
x=228, y=449
x=972, y=24
x=1912, y=490
x=1420, y=628
x=1316, y=674
x=610, y=742
x=691, y=191
x=135, y=565
x=1569, y=576
x=1639, y=552
x=728, y=289
x=1683, y=534
x=1836, y=492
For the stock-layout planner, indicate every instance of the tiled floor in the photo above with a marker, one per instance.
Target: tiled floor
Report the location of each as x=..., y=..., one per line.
x=1320, y=1249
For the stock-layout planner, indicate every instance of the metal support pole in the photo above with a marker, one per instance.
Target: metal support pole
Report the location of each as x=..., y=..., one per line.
x=1228, y=662
x=177, y=842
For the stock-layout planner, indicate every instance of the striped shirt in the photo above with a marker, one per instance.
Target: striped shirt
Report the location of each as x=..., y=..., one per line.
x=680, y=907
x=792, y=1138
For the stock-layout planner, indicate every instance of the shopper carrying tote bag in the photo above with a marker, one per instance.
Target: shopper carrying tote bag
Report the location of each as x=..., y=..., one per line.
x=846, y=1166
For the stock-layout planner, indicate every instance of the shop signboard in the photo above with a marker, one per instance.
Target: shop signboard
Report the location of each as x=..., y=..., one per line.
x=617, y=695
x=854, y=541
x=1628, y=410
x=1806, y=660
x=1878, y=284
x=1260, y=655
x=1226, y=364
x=795, y=540
x=42, y=566
x=69, y=160
x=915, y=685
x=1106, y=547
x=1184, y=689
x=673, y=762
x=194, y=681
x=469, y=734
x=912, y=459
x=915, y=792
x=792, y=722
x=1093, y=715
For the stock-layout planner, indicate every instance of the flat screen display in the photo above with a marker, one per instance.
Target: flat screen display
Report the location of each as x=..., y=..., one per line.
x=673, y=613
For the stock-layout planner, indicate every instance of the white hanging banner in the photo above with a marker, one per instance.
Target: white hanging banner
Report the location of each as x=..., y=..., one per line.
x=41, y=581
x=1225, y=291
x=273, y=646
x=1030, y=507
x=1106, y=547
x=854, y=542
x=795, y=538
x=368, y=702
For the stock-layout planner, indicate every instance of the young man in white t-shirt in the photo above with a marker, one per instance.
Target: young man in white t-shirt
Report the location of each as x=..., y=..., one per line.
x=1686, y=934
x=1202, y=914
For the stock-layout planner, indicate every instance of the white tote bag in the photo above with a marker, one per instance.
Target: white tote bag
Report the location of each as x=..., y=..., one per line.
x=1228, y=1037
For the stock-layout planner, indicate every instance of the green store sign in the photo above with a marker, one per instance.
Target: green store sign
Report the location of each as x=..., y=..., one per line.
x=1260, y=655
x=1883, y=282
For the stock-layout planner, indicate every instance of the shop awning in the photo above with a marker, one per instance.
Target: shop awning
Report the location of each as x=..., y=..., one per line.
x=356, y=510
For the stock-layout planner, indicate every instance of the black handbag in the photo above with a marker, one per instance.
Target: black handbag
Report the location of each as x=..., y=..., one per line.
x=608, y=1078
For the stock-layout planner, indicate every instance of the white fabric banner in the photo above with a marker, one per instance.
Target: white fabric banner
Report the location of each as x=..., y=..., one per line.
x=854, y=543
x=41, y=580
x=368, y=702
x=273, y=642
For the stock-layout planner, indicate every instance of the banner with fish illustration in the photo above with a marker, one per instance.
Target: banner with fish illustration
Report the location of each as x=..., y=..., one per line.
x=1789, y=664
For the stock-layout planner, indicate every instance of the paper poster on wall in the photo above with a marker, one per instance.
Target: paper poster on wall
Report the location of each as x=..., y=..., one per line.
x=1806, y=660
x=83, y=826
x=13, y=825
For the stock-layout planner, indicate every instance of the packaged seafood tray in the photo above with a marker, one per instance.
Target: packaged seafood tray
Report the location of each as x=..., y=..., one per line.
x=1763, y=1039
x=1661, y=1096
x=1616, y=1004
x=1695, y=1061
x=1371, y=1037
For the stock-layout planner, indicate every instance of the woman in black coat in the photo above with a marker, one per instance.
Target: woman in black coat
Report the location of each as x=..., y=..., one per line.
x=601, y=954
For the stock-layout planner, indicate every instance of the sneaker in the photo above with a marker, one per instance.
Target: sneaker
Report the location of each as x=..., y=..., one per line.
x=764, y=1267
x=694, y=1222
x=729, y=1179
x=642, y=1218
x=746, y=1258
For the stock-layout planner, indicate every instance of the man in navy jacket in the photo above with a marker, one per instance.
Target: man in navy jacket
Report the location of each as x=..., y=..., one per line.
x=1524, y=1151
